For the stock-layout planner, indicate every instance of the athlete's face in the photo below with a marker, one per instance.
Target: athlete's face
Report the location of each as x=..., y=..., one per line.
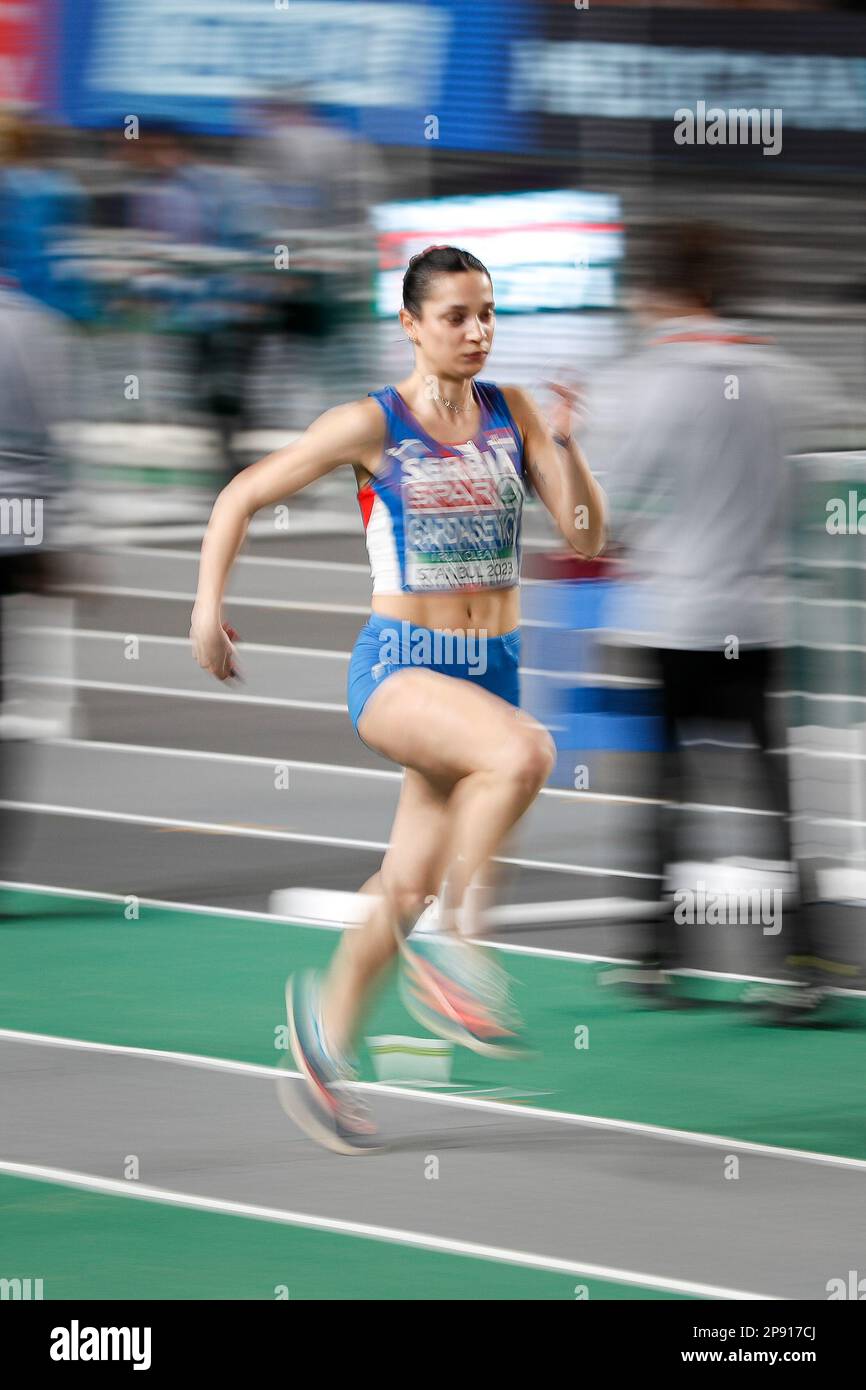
x=455, y=330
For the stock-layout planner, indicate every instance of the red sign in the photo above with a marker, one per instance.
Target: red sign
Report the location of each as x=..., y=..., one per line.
x=24, y=56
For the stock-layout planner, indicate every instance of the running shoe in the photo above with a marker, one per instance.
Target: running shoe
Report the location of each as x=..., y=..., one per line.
x=457, y=990
x=325, y=1103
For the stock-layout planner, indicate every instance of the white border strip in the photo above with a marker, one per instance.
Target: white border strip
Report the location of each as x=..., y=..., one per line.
x=391, y=1235
x=322, y=924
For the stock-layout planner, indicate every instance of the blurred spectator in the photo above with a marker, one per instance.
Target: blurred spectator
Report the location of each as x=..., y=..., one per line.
x=40, y=204
x=166, y=197
x=322, y=183
x=34, y=403
x=34, y=484
x=698, y=483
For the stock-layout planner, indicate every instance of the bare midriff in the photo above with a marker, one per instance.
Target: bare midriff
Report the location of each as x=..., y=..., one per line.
x=494, y=611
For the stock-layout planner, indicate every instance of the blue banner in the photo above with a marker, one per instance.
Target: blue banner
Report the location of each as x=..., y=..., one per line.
x=406, y=72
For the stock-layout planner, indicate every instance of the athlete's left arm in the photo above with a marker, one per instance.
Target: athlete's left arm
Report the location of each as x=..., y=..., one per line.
x=561, y=476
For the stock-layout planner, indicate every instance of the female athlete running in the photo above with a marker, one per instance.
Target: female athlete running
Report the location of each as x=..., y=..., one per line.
x=440, y=462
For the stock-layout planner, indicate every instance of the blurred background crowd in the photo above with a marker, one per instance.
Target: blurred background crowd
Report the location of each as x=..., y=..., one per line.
x=214, y=203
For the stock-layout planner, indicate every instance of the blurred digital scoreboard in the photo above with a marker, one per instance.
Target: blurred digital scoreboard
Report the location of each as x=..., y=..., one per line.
x=555, y=249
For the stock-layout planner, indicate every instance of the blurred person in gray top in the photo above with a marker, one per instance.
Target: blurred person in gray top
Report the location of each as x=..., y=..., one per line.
x=34, y=481
x=34, y=494
x=324, y=177
x=698, y=482
x=322, y=181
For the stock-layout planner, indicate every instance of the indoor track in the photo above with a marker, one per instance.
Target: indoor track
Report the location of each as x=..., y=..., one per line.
x=682, y=1153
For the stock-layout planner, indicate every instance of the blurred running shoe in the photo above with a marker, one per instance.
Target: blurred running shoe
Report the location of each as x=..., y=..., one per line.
x=647, y=983
x=325, y=1103
x=457, y=990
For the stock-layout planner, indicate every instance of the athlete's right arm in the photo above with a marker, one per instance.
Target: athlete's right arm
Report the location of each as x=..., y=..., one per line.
x=345, y=434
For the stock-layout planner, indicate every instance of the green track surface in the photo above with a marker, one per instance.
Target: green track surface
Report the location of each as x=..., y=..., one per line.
x=213, y=985
x=91, y=1246
x=192, y=982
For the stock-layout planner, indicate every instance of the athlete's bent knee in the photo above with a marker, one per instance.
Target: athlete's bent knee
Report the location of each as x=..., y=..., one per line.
x=407, y=895
x=530, y=758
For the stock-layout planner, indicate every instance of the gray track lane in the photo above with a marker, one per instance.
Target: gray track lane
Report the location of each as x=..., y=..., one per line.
x=660, y=1207
x=564, y=829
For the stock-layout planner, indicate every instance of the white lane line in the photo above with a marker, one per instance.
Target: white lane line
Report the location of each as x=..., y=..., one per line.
x=389, y=1234
x=346, y=909
x=205, y=827
x=281, y=562
x=231, y=600
x=498, y=1107
x=230, y=692
x=227, y=693
x=343, y=769
x=291, y=836
x=155, y=640
x=244, y=914
x=510, y=947
x=207, y=755
x=288, y=605
x=704, y=808
x=579, y=677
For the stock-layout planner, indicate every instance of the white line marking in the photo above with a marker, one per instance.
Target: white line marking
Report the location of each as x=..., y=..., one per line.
x=206, y=755
x=389, y=1234
x=276, y=917
x=231, y=600
x=318, y=923
x=229, y=692
x=470, y=1102
x=343, y=769
x=290, y=836
x=207, y=827
x=301, y=904
x=288, y=605
x=284, y=562
x=153, y=640
x=508, y=947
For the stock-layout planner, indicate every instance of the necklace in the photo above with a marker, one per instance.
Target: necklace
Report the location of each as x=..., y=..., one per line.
x=458, y=409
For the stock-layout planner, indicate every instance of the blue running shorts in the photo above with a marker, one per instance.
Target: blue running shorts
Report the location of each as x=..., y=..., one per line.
x=385, y=645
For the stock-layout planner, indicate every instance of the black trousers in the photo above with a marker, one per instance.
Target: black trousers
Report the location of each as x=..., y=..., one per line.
x=20, y=572
x=729, y=692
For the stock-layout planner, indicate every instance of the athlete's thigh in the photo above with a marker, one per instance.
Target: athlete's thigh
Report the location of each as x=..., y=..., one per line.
x=442, y=726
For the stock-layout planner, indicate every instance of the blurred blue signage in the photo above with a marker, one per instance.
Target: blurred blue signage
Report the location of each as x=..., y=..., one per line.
x=532, y=76
x=398, y=71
